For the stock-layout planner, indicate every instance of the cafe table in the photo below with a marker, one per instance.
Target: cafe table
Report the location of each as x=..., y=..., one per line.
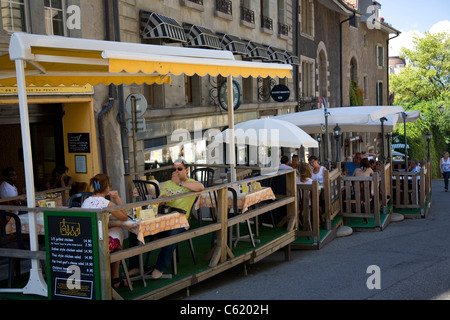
x=244, y=202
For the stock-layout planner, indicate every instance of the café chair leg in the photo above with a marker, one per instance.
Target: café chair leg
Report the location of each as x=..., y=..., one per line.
x=127, y=276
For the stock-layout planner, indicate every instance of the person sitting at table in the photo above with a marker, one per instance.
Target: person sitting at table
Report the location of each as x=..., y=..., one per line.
x=364, y=169
x=284, y=163
x=179, y=184
x=351, y=166
x=414, y=166
x=305, y=175
x=101, y=184
x=8, y=188
x=294, y=163
x=317, y=169
x=61, y=179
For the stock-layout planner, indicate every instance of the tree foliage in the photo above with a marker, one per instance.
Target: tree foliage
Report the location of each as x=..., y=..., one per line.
x=424, y=85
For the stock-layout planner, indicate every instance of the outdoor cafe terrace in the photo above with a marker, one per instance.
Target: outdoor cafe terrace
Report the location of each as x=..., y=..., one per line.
x=229, y=226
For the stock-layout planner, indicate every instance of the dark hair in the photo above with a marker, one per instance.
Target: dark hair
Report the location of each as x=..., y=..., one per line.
x=365, y=163
x=100, y=183
x=313, y=158
x=59, y=169
x=7, y=171
x=284, y=159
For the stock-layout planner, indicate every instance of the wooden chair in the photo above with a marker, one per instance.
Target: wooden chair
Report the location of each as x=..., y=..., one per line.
x=14, y=241
x=76, y=200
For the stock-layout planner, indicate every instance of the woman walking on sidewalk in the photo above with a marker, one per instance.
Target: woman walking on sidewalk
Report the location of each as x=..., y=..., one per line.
x=444, y=165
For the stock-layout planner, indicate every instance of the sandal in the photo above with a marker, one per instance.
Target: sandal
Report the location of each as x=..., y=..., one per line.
x=121, y=283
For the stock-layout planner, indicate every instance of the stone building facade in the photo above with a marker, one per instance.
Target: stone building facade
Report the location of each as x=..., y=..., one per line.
x=312, y=35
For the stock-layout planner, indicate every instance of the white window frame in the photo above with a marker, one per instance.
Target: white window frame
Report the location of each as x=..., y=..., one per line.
x=307, y=19
x=64, y=19
x=308, y=78
x=379, y=47
x=25, y=10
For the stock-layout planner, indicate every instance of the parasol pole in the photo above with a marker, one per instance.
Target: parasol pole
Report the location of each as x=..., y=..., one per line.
x=231, y=145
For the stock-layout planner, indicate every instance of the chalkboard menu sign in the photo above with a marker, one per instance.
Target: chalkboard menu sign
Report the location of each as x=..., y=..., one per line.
x=71, y=241
x=79, y=143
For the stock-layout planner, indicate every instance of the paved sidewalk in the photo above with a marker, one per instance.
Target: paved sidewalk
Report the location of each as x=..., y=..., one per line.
x=413, y=257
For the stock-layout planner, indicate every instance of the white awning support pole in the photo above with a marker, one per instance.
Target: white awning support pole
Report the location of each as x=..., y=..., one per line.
x=36, y=283
x=231, y=145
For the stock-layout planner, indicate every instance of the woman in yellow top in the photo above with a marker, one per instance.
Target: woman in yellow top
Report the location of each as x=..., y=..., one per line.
x=179, y=184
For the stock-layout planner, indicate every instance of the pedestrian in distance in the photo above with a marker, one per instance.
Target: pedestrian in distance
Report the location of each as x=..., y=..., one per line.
x=444, y=165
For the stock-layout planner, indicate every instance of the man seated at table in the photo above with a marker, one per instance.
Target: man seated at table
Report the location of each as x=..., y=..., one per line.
x=179, y=184
x=351, y=166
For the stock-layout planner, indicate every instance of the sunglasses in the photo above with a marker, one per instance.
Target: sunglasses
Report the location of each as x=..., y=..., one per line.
x=178, y=168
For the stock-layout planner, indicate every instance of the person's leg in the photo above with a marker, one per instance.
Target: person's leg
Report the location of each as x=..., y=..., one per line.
x=166, y=253
x=133, y=262
x=446, y=177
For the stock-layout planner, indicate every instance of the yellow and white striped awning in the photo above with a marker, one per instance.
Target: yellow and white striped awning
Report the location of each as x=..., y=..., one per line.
x=53, y=60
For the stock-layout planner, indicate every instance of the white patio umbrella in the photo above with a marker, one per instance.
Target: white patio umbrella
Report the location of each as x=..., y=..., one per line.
x=270, y=132
x=349, y=119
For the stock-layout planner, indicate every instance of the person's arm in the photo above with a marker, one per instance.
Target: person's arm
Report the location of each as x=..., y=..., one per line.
x=193, y=185
x=119, y=214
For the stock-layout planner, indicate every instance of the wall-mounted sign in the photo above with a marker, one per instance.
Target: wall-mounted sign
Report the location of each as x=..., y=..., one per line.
x=79, y=143
x=49, y=90
x=141, y=104
x=223, y=96
x=71, y=245
x=280, y=93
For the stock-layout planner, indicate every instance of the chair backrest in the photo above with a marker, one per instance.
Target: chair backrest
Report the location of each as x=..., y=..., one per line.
x=235, y=196
x=203, y=175
x=76, y=200
x=142, y=188
x=4, y=236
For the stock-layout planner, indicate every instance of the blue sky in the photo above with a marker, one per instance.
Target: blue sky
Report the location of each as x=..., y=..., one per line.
x=410, y=16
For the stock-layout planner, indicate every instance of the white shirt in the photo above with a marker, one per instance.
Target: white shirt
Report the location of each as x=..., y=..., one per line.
x=100, y=203
x=284, y=166
x=7, y=190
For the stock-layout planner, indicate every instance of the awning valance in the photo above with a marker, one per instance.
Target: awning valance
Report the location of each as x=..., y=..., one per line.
x=56, y=60
x=201, y=37
x=232, y=43
x=256, y=51
x=157, y=26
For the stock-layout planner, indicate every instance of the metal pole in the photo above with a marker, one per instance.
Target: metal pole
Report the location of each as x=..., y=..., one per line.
x=325, y=111
x=382, y=139
x=231, y=150
x=36, y=283
x=404, y=115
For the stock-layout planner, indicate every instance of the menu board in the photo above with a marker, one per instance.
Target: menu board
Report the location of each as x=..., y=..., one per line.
x=72, y=255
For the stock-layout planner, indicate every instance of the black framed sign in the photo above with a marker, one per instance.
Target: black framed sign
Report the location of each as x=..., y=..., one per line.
x=71, y=243
x=79, y=142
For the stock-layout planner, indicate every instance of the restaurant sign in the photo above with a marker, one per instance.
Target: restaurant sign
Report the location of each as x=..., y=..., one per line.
x=49, y=90
x=71, y=246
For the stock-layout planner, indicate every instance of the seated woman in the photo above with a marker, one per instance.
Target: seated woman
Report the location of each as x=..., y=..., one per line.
x=179, y=184
x=101, y=184
x=317, y=169
x=364, y=170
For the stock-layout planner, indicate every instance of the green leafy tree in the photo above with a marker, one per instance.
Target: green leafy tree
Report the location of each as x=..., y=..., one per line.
x=424, y=85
